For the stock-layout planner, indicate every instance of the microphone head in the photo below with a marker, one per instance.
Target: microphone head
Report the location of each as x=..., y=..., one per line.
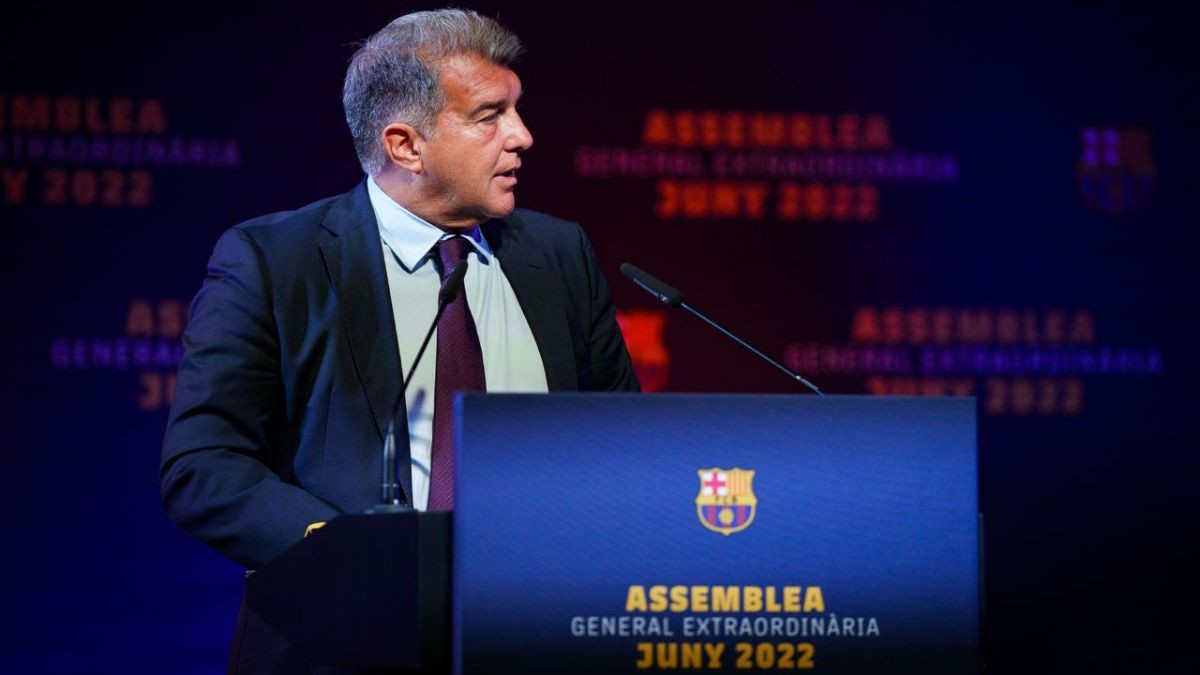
x=665, y=293
x=453, y=283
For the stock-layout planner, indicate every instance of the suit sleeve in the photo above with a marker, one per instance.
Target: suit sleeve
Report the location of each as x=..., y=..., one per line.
x=216, y=474
x=611, y=367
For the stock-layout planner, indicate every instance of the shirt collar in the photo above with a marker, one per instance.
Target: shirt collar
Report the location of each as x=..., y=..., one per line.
x=412, y=238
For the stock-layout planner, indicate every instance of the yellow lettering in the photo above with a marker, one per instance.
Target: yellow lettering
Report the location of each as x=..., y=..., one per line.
x=658, y=598
x=668, y=655
x=813, y=600
x=714, y=652
x=699, y=598
x=745, y=652
x=679, y=598
x=764, y=656
x=647, y=651
x=772, y=604
x=726, y=599
x=791, y=598
x=805, y=650
x=752, y=599
x=635, y=599
x=673, y=655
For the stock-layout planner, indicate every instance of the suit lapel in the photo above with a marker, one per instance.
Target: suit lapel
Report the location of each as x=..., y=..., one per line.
x=353, y=260
x=542, y=298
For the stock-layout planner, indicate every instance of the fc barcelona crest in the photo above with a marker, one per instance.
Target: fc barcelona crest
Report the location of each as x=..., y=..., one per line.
x=726, y=502
x=1116, y=172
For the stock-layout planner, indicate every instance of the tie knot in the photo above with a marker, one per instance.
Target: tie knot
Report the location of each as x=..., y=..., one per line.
x=452, y=251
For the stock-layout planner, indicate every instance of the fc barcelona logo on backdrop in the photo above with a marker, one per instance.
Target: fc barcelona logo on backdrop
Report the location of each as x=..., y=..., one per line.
x=643, y=332
x=1116, y=172
x=726, y=502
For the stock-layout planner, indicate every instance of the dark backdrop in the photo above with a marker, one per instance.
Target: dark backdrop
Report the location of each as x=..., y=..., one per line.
x=923, y=200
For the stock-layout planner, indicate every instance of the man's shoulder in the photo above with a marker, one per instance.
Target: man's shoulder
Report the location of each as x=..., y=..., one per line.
x=537, y=226
x=290, y=225
x=538, y=237
x=540, y=219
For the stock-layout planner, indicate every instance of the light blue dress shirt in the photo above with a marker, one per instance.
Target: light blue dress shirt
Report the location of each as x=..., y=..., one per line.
x=511, y=360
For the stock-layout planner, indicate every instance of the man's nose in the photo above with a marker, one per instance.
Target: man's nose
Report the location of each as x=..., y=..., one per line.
x=519, y=138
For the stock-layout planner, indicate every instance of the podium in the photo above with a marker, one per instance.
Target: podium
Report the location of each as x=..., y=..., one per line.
x=611, y=533
x=368, y=591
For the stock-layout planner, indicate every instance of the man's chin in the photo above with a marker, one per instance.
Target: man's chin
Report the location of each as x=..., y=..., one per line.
x=502, y=208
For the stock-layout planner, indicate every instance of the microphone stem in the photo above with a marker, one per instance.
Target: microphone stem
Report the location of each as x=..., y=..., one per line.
x=421, y=352
x=747, y=345
x=392, y=501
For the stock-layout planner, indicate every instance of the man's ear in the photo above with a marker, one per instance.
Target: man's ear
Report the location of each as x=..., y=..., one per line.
x=402, y=144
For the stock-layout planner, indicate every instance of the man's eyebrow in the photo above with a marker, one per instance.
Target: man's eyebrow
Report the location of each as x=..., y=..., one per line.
x=488, y=105
x=498, y=104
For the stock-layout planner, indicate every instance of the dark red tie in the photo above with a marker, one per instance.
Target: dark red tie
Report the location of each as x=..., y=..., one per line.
x=459, y=368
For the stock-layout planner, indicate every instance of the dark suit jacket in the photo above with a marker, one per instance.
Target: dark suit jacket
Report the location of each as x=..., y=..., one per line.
x=290, y=366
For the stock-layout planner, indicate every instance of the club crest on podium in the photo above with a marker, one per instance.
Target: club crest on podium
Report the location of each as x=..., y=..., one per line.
x=726, y=502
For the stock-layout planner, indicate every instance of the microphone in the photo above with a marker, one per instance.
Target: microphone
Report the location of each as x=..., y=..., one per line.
x=668, y=295
x=671, y=297
x=453, y=285
x=393, y=500
x=450, y=289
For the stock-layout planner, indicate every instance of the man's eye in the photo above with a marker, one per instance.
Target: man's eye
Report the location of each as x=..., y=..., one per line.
x=490, y=118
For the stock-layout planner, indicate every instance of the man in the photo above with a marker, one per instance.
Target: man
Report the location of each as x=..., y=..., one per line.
x=301, y=333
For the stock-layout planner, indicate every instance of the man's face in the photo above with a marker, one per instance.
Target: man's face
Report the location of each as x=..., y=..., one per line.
x=470, y=160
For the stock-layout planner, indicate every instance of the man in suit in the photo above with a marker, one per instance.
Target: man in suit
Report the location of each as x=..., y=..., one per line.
x=295, y=347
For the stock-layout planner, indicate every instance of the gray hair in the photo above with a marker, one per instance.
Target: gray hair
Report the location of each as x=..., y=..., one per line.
x=393, y=77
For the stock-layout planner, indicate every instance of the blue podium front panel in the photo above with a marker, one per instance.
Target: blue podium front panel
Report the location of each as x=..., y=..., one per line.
x=615, y=533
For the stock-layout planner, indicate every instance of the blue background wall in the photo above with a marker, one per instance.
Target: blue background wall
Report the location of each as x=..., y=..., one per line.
x=1038, y=167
